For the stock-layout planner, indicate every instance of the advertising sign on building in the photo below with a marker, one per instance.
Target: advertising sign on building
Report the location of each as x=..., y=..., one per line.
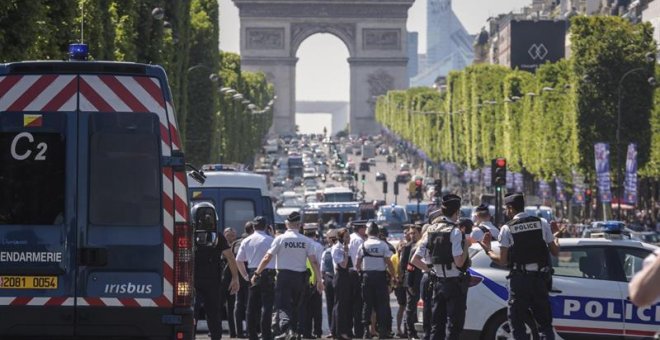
x=527, y=44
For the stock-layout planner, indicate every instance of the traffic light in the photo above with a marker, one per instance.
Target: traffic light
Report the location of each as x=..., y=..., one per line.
x=418, y=189
x=498, y=172
x=364, y=178
x=587, y=196
x=384, y=187
x=437, y=188
x=355, y=177
x=396, y=187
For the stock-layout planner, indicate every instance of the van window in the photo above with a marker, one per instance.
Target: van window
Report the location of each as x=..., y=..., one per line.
x=124, y=169
x=236, y=213
x=32, y=177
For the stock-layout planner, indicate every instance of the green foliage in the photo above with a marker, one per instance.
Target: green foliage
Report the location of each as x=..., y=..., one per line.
x=544, y=123
x=213, y=128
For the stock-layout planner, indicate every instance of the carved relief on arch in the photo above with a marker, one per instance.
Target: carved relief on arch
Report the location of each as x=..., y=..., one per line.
x=379, y=83
x=344, y=31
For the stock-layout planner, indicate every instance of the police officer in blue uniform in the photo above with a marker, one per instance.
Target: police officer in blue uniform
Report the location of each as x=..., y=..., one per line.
x=327, y=268
x=210, y=247
x=374, y=264
x=525, y=244
x=291, y=250
x=445, y=243
x=342, y=313
x=261, y=294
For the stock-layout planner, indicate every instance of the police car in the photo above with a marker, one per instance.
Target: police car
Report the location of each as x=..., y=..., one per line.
x=94, y=232
x=589, y=295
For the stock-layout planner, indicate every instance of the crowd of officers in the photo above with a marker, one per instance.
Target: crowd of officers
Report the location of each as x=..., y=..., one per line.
x=274, y=280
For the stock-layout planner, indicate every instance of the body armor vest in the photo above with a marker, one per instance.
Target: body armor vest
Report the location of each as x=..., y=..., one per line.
x=439, y=245
x=528, y=243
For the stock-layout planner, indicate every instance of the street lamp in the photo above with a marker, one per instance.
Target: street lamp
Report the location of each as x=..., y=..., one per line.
x=237, y=97
x=651, y=81
x=212, y=76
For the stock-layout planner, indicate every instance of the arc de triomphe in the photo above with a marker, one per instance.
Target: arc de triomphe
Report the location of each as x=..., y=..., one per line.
x=374, y=32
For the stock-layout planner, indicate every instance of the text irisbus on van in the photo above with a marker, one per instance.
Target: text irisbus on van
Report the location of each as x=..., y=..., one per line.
x=94, y=232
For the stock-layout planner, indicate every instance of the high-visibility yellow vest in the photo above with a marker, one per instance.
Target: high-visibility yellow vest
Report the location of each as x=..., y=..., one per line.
x=312, y=277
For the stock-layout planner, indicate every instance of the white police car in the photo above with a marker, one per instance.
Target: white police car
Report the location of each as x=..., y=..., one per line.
x=589, y=294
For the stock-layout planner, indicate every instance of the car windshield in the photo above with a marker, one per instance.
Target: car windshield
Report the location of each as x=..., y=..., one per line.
x=292, y=202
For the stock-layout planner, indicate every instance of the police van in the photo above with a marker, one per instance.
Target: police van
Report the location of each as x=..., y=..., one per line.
x=94, y=234
x=237, y=196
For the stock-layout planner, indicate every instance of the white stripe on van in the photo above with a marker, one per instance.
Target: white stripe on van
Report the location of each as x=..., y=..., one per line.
x=108, y=95
x=49, y=93
x=144, y=97
x=70, y=104
x=111, y=301
x=16, y=91
x=85, y=104
x=146, y=302
x=38, y=301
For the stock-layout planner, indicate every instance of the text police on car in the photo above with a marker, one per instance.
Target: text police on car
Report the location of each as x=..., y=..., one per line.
x=525, y=246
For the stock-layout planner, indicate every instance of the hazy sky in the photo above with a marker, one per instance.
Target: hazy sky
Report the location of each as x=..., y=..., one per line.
x=322, y=71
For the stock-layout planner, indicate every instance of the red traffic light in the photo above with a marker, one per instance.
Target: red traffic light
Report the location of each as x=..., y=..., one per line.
x=500, y=162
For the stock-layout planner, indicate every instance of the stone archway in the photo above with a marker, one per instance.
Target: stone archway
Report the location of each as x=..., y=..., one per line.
x=374, y=32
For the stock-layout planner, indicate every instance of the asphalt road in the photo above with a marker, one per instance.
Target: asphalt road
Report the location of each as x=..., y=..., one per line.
x=202, y=329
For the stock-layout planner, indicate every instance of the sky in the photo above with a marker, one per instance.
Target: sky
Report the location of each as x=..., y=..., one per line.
x=322, y=71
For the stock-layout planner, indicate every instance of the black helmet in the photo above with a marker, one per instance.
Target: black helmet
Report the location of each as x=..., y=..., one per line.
x=467, y=223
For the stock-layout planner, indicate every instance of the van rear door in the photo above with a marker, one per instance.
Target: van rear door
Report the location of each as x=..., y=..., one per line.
x=236, y=206
x=125, y=210
x=37, y=204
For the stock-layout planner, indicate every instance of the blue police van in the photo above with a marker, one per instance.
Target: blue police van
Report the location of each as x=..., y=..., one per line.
x=237, y=196
x=94, y=233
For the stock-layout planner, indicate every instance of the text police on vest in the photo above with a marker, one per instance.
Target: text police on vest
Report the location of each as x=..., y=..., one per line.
x=517, y=228
x=292, y=244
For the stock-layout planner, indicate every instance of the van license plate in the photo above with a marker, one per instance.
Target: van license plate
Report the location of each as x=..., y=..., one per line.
x=28, y=282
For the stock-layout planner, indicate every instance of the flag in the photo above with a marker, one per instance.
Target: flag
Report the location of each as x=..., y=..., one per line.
x=602, y=155
x=518, y=182
x=197, y=194
x=559, y=188
x=487, y=176
x=630, y=185
x=578, y=188
x=33, y=120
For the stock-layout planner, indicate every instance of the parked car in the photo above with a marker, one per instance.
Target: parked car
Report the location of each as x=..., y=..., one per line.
x=589, y=294
x=380, y=176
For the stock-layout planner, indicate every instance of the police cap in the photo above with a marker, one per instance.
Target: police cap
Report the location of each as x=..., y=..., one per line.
x=482, y=208
x=310, y=227
x=293, y=217
x=515, y=198
x=383, y=231
x=465, y=222
x=451, y=202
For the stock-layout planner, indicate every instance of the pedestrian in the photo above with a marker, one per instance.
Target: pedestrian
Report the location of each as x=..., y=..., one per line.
x=399, y=289
x=483, y=224
x=208, y=273
x=412, y=280
x=327, y=268
x=261, y=294
x=525, y=244
x=383, y=234
x=291, y=250
x=342, y=313
x=356, y=239
x=228, y=300
x=240, y=299
x=311, y=307
x=425, y=282
x=447, y=247
x=374, y=263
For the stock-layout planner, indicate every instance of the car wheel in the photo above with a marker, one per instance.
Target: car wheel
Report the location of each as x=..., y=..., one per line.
x=498, y=328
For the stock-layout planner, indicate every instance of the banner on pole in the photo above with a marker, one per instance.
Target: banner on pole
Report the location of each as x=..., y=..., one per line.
x=630, y=185
x=602, y=153
x=559, y=190
x=517, y=182
x=578, y=188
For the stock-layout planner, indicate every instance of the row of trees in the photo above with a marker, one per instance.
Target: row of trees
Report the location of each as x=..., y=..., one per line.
x=545, y=123
x=180, y=35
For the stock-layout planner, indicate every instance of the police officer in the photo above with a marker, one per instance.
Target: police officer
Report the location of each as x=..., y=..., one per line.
x=342, y=317
x=207, y=265
x=425, y=289
x=483, y=224
x=356, y=239
x=290, y=251
x=374, y=264
x=260, y=295
x=446, y=244
x=525, y=244
x=327, y=268
x=311, y=307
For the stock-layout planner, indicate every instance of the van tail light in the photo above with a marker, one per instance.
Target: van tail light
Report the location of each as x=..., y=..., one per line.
x=475, y=280
x=183, y=265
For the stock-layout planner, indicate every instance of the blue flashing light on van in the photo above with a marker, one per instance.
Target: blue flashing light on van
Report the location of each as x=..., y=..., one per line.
x=94, y=232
